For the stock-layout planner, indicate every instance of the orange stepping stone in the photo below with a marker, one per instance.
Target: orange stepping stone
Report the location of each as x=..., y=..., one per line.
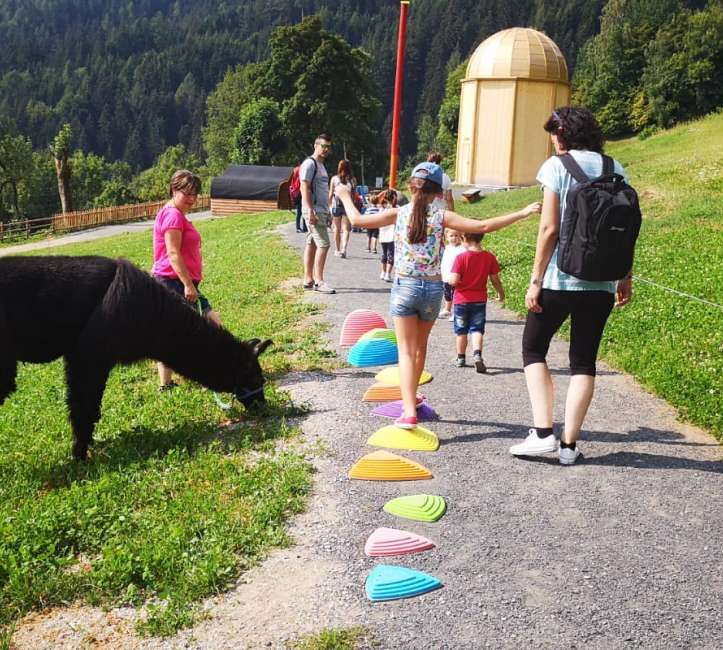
x=383, y=466
x=383, y=393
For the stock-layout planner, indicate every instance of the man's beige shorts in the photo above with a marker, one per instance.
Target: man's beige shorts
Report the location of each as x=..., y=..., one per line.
x=319, y=232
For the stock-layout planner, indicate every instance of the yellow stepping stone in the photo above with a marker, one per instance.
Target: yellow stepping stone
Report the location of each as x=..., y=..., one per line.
x=390, y=376
x=383, y=466
x=417, y=439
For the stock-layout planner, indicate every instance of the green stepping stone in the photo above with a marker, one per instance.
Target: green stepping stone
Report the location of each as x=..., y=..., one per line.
x=379, y=333
x=419, y=507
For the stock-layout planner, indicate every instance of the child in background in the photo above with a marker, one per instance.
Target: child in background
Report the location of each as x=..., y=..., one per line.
x=377, y=203
x=386, y=238
x=451, y=251
x=469, y=276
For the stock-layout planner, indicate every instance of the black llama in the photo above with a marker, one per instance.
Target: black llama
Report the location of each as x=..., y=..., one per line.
x=97, y=312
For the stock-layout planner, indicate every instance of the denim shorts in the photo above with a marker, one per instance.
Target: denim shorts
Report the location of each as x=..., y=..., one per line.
x=176, y=286
x=416, y=297
x=470, y=317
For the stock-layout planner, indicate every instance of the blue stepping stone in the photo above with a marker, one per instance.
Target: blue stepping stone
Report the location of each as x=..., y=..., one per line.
x=389, y=582
x=373, y=352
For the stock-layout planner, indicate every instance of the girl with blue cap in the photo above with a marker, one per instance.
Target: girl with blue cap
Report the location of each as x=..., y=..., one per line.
x=417, y=289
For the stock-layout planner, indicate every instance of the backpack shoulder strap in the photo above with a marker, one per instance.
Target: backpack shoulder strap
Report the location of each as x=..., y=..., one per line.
x=313, y=176
x=608, y=165
x=573, y=168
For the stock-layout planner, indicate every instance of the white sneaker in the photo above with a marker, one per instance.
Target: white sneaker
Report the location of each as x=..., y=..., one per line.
x=337, y=253
x=323, y=287
x=534, y=445
x=382, y=276
x=444, y=314
x=569, y=456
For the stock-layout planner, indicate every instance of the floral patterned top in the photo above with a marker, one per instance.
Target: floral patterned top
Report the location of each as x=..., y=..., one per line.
x=421, y=260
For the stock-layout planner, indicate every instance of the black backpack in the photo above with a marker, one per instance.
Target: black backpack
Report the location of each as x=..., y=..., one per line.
x=600, y=226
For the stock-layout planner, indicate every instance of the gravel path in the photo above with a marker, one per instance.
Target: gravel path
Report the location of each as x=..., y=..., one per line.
x=619, y=551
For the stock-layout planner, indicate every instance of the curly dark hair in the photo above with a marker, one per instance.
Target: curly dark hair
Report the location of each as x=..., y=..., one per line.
x=575, y=128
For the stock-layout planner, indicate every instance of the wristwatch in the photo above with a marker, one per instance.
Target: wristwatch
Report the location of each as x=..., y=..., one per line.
x=536, y=281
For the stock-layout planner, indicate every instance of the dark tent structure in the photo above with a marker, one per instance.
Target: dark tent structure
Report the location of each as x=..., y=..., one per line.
x=250, y=188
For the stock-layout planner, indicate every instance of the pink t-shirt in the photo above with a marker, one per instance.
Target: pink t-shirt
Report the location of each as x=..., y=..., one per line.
x=170, y=218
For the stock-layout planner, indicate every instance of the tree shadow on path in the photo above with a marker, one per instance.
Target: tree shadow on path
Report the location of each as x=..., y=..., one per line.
x=637, y=460
x=641, y=434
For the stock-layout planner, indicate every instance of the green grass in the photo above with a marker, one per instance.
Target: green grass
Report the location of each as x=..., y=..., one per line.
x=345, y=639
x=672, y=345
x=171, y=508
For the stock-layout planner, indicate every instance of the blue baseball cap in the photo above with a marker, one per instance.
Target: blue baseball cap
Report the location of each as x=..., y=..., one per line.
x=429, y=171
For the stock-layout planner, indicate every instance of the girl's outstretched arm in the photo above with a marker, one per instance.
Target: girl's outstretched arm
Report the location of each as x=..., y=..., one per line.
x=384, y=218
x=463, y=224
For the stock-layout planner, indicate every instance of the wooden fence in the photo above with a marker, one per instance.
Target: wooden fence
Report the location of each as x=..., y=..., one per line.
x=117, y=214
x=58, y=223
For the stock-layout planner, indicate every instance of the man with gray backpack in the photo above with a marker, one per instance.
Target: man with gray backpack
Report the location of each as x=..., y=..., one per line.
x=583, y=266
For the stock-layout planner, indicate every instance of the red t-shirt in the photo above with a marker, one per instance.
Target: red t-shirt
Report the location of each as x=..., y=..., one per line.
x=473, y=267
x=170, y=218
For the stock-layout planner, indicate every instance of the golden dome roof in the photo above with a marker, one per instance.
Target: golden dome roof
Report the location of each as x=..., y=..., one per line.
x=518, y=52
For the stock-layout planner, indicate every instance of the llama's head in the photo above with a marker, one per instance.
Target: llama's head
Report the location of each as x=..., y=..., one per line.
x=250, y=380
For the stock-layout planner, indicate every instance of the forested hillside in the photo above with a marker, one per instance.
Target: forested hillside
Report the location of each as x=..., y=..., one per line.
x=135, y=89
x=132, y=77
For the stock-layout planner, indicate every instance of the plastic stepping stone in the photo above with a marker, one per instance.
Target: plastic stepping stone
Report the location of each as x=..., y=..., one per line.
x=373, y=352
x=390, y=376
x=380, y=333
x=417, y=439
x=383, y=393
x=389, y=582
x=387, y=542
x=393, y=410
x=383, y=466
x=359, y=322
x=419, y=507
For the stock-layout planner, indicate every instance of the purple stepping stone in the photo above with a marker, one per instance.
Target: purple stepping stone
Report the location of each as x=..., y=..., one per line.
x=393, y=410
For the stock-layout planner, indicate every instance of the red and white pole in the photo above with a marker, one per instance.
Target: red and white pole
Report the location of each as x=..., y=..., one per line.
x=398, y=86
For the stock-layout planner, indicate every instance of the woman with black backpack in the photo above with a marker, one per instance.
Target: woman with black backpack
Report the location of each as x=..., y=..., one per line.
x=583, y=266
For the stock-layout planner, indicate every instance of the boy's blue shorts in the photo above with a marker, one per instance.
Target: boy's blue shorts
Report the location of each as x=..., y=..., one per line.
x=470, y=317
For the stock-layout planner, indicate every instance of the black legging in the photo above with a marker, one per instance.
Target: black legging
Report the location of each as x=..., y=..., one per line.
x=387, y=252
x=300, y=223
x=588, y=311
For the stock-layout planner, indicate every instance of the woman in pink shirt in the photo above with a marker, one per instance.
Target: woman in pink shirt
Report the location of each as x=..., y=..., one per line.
x=177, y=262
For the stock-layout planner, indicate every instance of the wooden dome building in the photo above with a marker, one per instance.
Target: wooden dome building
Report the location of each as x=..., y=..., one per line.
x=514, y=81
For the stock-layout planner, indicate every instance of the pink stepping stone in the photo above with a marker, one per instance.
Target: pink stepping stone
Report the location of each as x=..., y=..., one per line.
x=385, y=542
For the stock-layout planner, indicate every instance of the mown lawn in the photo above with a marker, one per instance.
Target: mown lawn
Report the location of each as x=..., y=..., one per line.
x=672, y=345
x=171, y=507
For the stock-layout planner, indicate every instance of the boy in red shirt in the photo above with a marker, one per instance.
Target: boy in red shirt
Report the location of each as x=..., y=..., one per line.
x=469, y=276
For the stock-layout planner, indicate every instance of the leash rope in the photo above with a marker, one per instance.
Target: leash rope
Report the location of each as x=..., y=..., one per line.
x=638, y=278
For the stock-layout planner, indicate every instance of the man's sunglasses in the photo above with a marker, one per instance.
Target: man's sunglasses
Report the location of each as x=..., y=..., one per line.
x=324, y=146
